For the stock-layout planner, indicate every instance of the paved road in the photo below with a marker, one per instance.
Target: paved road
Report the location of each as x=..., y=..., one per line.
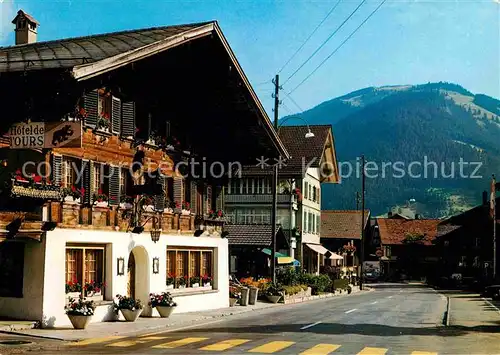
x=392, y=320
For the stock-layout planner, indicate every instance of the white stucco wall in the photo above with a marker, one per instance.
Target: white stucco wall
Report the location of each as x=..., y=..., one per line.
x=45, y=297
x=29, y=307
x=312, y=179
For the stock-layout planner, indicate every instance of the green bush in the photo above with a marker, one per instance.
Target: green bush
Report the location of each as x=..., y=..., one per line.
x=340, y=284
x=293, y=290
x=287, y=276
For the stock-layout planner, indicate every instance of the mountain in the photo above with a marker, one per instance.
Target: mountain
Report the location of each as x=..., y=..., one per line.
x=434, y=134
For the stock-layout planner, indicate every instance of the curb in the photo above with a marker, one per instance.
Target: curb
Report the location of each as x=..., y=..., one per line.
x=447, y=313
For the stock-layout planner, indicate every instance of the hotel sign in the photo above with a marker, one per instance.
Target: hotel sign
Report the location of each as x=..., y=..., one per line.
x=38, y=135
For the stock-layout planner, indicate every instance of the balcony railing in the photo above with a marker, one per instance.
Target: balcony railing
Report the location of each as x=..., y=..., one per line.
x=267, y=198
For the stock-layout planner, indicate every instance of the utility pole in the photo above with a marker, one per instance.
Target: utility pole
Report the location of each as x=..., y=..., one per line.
x=275, y=184
x=362, y=254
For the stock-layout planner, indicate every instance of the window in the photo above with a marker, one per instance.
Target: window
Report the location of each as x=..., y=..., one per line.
x=257, y=186
x=68, y=172
x=306, y=190
x=268, y=186
x=314, y=194
x=104, y=103
x=97, y=177
x=11, y=269
x=311, y=223
x=123, y=182
x=185, y=263
x=84, y=265
x=310, y=192
x=318, y=224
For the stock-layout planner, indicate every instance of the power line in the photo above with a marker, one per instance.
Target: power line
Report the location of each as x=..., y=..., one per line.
x=340, y=46
x=308, y=38
x=325, y=42
x=293, y=101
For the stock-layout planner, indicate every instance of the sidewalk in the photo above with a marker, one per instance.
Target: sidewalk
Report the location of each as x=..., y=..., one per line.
x=145, y=326
x=471, y=310
x=142, y=325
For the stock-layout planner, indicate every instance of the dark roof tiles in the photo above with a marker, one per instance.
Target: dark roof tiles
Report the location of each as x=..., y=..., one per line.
x=342, y=224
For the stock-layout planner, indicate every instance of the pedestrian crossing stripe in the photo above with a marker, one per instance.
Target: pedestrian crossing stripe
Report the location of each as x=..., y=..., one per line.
x=272, y=347
x=372, y=351
x=225, y=345
x=267, y=348
x=178, y=343
x=321, y=349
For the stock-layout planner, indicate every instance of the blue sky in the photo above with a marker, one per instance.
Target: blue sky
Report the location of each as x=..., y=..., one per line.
x=405, y=42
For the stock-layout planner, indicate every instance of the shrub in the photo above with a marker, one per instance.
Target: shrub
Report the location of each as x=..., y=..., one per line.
x=275, y=290
x=340, y=284
x=287, y=276
x=293, y=290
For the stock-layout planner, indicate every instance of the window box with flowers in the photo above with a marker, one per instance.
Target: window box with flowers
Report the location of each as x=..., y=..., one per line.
x=93, y=290
x=103, y=122
x=34, y=186
x=207, y=281
x=216, y=215
x=73, y=194
x=146, y=204
x=170, y=281
x=182, y=281
x=296, y=192
x=100, y=199
x=194, y=281
x=186, y=208
x=73, y=289
x=126, y=202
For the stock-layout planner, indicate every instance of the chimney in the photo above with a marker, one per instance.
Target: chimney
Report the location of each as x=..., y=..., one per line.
x=389, y=214
x=26, y=28
x=485, y=198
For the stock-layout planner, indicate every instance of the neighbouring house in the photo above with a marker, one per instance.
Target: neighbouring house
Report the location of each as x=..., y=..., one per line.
x=465, y=244
x=406, y=247
x=341, y=233
x=250, y=249
x=248, y=200
x=126, y=207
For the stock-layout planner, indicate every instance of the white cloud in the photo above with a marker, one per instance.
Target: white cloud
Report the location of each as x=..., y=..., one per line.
x=7, y=13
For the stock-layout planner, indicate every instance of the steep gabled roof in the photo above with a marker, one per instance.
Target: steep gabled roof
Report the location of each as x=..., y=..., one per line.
x=70, y=52
x=342, y=224
x=395, y=231
x=304, y=152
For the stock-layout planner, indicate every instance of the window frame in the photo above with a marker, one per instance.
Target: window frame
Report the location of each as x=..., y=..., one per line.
x=190, y=250
x=83, y=248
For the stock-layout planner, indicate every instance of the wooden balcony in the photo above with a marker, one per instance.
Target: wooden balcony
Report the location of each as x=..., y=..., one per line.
x=260, y=199
x=72, y=215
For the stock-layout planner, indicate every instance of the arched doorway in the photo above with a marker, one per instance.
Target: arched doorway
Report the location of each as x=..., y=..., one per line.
x=138, y=275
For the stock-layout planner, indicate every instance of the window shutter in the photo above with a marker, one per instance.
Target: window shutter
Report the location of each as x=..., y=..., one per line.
x=178, y=189
x=219, y=200
x=86, y=181
x=116, y=115
x=160, y=199
x=128, y=119
x=91, y=181
x=90, y=101
x=57, y=169
x=114, y=185
x=194, y=192
x=208, y=197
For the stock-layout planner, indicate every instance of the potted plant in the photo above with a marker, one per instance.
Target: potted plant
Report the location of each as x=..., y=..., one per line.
x=126, y=202
x=80, y=313
x=182, y=281
x=234, y=295
x=103, y=122
x=186, y=208
x=274, y=293
x=170, y=281
x=147, y=204
x=73, y=289
x=163, y=302
x=207, y=281
x=194, y=281
x=130, y=308
x=100, y=199
x=72, y=194
x=93, y=288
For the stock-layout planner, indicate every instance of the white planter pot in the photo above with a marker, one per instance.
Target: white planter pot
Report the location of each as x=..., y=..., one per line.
x=79, y=322
x=182, y=286
x=273, y=299
x=74, y=295
x=195, y=285
x=170, y=287
x=102, y=204
x=168, y=210
x=165, y=312
x=131, y=316
x=186, y=212
x=70, y=199
x=149, y=208
x=126, y=206
x=208, y=284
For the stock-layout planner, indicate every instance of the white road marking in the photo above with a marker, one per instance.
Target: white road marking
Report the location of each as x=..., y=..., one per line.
x=390, y=297
x=491, y=304
x=351, y=310
x=374, y=302
x=309, y=326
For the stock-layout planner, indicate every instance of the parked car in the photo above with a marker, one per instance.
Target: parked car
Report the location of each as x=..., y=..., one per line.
x=492, y=291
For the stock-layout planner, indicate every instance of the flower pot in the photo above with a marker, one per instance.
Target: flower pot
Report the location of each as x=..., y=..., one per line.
x=149, y=208
x=195, y=285
x=131, y=316
x=126, y=206
x=186, y=212
x=273, y=299
x=182, y=286
x=232, y=301
x=164, y=311
x=254, y=293
x=102, y=204
x=170, y=287
x=208, y=284
x=79, y=322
